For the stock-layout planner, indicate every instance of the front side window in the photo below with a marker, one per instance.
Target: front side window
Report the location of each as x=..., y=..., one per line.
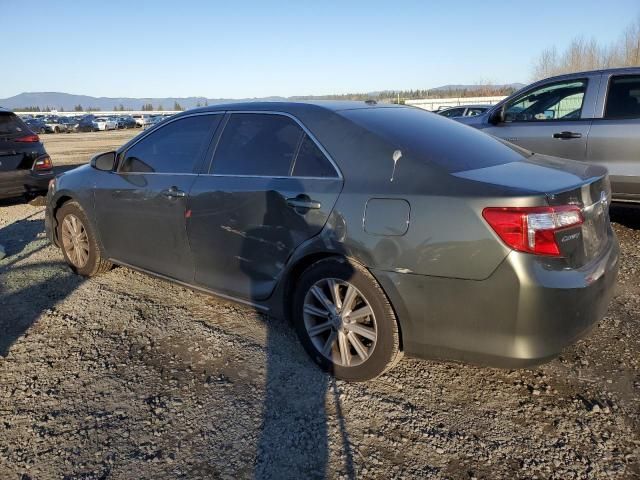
x=175, y=148
x=559, y=101
x=623, y=99
x=257, y=144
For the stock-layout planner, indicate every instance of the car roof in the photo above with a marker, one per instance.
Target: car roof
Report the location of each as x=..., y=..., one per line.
x=295, y=106
x=605, y=71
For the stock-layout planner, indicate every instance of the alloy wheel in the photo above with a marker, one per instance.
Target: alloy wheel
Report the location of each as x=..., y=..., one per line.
x=340, y=322
x=75, y=240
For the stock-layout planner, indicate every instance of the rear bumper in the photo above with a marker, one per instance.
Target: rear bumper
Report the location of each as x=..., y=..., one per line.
x=19, y=182
x=524, y=314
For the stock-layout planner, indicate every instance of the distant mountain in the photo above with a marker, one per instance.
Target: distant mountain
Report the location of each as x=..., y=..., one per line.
x=67, y=101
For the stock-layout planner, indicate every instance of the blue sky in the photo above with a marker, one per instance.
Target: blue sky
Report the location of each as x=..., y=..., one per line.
x=258, y=48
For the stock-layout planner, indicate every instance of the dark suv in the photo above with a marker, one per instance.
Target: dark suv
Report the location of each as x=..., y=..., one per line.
x=25, y=166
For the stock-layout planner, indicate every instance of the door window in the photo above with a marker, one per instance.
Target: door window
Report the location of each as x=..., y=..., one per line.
x=175, y=148
x=559, y=101
x=623, y=99
x=257, y=144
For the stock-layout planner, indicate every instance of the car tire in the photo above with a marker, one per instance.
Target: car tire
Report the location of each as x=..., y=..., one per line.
x=56, y=130
x=84, y=254
x=41, y=131
x=359, y=349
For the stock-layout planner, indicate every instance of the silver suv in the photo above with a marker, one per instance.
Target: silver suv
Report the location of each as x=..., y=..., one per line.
x=589, y=116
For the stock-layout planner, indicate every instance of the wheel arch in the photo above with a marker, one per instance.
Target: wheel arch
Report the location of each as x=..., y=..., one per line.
x=295, y=271
x=56, y=205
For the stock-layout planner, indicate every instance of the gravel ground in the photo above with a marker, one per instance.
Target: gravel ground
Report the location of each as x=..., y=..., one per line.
x=124, y=377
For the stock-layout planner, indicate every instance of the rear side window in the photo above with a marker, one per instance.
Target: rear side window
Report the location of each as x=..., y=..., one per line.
x=10, y=124
x=427, y=137
x=311, y=162
x=175, y=148
x=257, y=144
x=623, y=99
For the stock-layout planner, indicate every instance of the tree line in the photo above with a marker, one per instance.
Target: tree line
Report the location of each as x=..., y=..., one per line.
x=588, y=54
x=480, y=89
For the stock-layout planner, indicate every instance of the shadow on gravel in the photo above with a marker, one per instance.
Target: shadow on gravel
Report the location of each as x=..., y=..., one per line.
x=17, y=235
x=294, y=437
x=41, y=286
x=27, y=291
x=627, y=215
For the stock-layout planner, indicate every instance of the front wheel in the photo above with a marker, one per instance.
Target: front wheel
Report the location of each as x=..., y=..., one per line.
x=344, y=320
x=79, y=244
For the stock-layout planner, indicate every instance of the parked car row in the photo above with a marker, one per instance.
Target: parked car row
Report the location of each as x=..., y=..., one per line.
x=88, y=123
x=463, y=111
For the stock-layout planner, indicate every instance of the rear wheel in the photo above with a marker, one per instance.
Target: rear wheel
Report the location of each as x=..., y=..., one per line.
x=344, y=320
x=79, y=244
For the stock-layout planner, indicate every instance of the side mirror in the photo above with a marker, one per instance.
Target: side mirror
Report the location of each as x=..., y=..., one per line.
x=104, y=161
x=497, y=116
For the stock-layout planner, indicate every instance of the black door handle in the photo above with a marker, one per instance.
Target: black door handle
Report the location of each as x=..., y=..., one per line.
x=173, y=192
x=303, y=202
x=567, y=135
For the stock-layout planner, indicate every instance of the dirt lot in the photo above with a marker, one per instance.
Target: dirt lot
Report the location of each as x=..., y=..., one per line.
x=77, y=148
x=126, y=377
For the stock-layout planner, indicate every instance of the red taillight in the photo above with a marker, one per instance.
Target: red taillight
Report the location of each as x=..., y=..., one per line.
x=532, y=229
x=43, y=163
x=27, y=139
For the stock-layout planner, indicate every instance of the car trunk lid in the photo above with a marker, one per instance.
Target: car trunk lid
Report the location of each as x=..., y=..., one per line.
x=559, y=183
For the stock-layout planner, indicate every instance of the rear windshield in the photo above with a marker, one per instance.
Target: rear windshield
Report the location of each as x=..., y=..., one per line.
x=443, y=142
x=10, y=124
